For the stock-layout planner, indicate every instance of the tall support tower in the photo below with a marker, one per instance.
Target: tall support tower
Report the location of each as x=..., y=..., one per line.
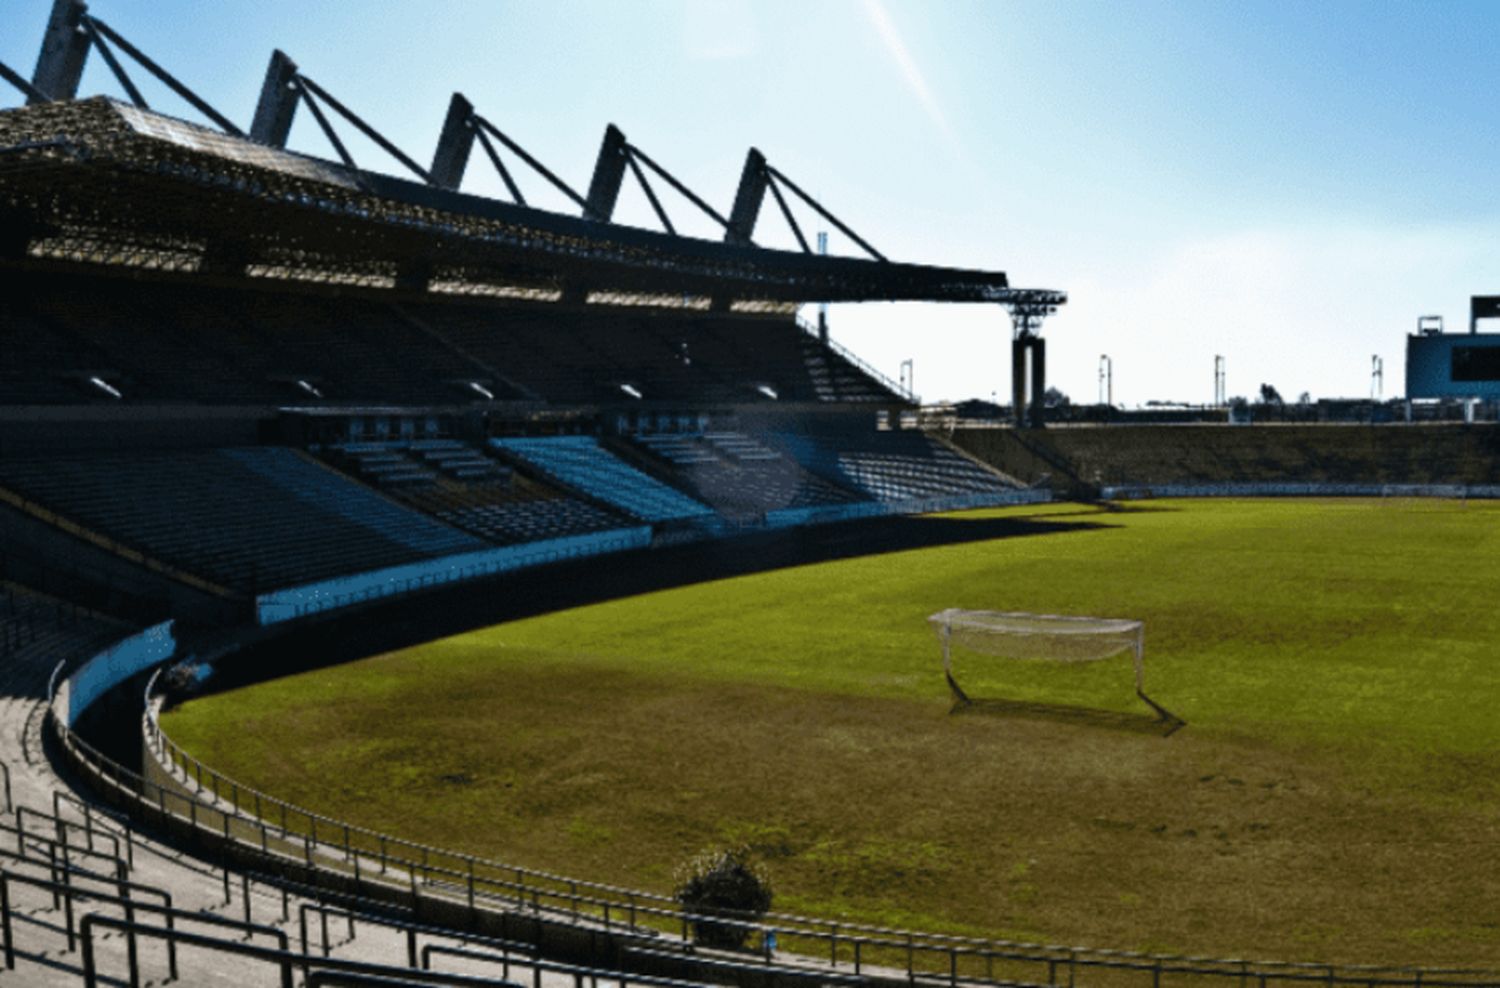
x=1220, y=399
x=1026, y=316
x=1106, y=380
x=1377, y=377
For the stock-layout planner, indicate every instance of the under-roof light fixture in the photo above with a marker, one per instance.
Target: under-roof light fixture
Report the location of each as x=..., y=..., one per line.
x=480, y=389
x=106, y=387
x=307, y=387
x=768, y=391
x=632, y=390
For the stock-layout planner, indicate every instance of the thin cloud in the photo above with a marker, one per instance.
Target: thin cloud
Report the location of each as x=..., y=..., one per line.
x=915, y=81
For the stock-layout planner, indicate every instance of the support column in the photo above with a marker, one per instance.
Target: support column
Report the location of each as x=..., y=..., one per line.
x=609, y=173
x=278, y=102
x=65, y=49
x=1038, y=382
x=1018, y=381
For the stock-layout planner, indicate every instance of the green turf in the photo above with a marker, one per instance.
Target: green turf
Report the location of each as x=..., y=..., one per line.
x=1334, y=795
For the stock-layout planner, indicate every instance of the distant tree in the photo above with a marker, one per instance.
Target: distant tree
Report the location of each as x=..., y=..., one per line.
x=1304, y=399
x=1270, y=396
x=1053, y=398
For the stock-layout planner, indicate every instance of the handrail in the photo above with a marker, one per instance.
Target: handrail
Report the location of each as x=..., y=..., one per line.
x=581, y=901
x=853, y=358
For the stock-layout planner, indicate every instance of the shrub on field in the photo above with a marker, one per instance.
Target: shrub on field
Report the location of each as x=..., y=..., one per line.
x=725, y=883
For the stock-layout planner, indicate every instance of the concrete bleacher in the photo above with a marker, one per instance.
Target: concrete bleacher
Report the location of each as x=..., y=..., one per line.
x=1223, y=454
x=739, y=475
x=463, y=486
x=242, y=518
x=894, y=466
x=581, y=463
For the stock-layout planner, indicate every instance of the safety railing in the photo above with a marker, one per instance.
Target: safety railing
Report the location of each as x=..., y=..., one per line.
x=226, y=806
x=845, y=353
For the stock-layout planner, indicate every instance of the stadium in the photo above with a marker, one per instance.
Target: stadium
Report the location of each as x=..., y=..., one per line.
x=401, y=586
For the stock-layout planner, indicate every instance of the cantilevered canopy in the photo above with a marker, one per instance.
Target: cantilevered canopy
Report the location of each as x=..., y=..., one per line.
x=106, y=171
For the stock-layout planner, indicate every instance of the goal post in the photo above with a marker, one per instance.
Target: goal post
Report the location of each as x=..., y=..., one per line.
x=1044, y=637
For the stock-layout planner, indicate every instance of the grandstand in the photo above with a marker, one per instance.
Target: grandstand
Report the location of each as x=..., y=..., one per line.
x=246, y=389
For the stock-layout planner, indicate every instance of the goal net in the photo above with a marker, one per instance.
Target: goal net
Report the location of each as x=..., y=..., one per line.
x=1046, y=637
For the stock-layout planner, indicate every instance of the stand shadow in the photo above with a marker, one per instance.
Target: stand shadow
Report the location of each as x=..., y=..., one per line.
x=1058, y=713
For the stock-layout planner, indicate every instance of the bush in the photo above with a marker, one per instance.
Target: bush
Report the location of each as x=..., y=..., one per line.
x=723, y=883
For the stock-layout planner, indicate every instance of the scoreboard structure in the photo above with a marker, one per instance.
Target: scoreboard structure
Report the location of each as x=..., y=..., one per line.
x=1456, y=365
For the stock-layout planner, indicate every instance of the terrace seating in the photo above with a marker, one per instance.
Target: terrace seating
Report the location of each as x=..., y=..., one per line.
x=579, y=462
x=468, y=489
x=1213, y=454
x=739, y=475
x=890, y=466
x=246, y=519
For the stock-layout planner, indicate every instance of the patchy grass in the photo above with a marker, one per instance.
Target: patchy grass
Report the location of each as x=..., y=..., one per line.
x=1334, y=796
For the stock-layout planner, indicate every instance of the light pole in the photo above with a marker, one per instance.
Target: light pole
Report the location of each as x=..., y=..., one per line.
x=1106, y=380
x=1219, y=389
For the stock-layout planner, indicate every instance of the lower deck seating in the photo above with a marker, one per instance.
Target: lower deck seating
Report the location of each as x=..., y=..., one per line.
x=467, y=488
x=247, y=518
x=36, y=629
x=895, y=466
x=740, y=475
x=581, y=463
x=1210, y=454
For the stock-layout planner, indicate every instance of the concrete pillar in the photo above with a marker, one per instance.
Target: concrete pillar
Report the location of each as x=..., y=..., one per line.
x=1018, y=381
x=1038, y=382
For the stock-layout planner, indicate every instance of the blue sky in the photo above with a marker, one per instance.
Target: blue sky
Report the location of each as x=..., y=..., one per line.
x=1289, y=185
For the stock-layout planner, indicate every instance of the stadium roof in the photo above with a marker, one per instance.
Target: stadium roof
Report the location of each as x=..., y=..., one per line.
x=99, y=177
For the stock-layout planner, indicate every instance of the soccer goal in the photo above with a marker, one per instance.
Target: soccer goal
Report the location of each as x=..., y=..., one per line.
x=1046, y=637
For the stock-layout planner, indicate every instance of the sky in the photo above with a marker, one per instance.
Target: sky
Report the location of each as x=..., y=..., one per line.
x=1289, y=185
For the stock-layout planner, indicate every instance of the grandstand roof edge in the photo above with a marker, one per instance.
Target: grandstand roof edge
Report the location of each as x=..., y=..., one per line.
x=39, y=144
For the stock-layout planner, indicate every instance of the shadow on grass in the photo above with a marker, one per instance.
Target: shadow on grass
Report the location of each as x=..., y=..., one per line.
x=1057, y=713
x=383, y=626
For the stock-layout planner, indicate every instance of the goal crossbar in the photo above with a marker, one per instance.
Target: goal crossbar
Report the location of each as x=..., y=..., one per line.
x=1047, y=637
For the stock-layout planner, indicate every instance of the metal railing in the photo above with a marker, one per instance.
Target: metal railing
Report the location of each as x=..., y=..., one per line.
x=864, y=367
x=478, y=883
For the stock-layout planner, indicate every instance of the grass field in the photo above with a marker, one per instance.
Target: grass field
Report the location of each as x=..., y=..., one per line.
x=1336, y=794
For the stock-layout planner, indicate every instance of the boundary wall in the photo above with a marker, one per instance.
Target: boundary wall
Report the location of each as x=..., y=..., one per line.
x=111, y=667
x=326, y=595
x=1132, y=492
